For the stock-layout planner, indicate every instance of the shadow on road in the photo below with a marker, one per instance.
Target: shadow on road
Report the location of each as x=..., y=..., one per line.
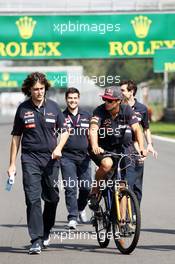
x=22, y=250
x=163, y=231
x=158, y=247
x=12, y=226
x=57, y=247
x=84, y=248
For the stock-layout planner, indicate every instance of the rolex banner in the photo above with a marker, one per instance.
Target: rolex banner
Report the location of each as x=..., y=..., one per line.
x=15, y=79
x=85, y=36
x=164, y=60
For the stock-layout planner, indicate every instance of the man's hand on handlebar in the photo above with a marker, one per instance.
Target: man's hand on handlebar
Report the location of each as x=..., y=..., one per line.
x=97, y=150
x=143, y=153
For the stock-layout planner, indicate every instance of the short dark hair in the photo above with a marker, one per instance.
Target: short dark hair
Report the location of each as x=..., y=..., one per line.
x=131, y=85
x=72, y=90
x=32, y=79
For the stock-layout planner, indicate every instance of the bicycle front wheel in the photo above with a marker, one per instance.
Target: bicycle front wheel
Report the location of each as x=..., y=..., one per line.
x=102, y=222
x=126, y=221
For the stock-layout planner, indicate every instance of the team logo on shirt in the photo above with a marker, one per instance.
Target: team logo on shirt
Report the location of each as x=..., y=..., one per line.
x=30, y=126
x=84, y=122
x=84, y=119
x=122, y=126
x=67, y=122
x=95, y=119
x=29, y=121
x=50, y=114
x=50, y=120
x=107, y=122
x=134, y=116
x=84, y=125
x=28, y=114
x=138, y=116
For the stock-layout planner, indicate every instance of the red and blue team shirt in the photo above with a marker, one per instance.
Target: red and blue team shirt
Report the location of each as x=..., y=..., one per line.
x=38, y=127
x=112, y=131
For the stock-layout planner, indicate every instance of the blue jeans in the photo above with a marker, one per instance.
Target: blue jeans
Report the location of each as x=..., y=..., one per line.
x=134, y=177
x=138, y=185
x=76, y=173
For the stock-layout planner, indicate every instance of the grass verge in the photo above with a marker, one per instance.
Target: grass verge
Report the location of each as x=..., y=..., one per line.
x=163, y=129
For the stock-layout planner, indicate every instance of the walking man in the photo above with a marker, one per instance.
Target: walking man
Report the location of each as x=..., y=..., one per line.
x=75, y=162
x=35, y=125
x=129, y=90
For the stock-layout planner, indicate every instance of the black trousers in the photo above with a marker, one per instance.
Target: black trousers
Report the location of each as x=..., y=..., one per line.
x=40, y=182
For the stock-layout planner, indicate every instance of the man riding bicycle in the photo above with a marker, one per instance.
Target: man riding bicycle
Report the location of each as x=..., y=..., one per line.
x=108, y=127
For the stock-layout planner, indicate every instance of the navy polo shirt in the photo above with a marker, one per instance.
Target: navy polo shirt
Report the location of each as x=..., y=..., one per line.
x=141, y=112
x=38, y=128
x=77, y=144
x=112, y=132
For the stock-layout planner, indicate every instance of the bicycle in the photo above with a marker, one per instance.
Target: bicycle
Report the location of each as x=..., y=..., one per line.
x=118, y=208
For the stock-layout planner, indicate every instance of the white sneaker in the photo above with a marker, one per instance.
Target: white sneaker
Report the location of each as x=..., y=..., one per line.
x=46, y=242
x=72, y=225
x=82, y=216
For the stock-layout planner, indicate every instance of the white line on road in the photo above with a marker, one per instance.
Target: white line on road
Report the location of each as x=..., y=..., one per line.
x=164, y=139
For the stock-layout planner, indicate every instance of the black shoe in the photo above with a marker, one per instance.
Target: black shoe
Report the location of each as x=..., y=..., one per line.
x=93, y=221
x=35, y=247
x=93, y=203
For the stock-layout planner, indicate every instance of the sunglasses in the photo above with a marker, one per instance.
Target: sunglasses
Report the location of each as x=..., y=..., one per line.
x=109, y=100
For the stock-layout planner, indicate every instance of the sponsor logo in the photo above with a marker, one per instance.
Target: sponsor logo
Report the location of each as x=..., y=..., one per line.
x=30, y=126
x=50, y=120
x=26, y=26
x=141, y=26
x=6, y=82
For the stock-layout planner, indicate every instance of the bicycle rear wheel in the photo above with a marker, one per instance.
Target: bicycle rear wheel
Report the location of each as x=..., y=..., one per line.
x=102, y=222
x=126, y=221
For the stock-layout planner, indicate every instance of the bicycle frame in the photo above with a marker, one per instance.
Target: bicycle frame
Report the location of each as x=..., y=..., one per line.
x=117, y=205
x=113, y=192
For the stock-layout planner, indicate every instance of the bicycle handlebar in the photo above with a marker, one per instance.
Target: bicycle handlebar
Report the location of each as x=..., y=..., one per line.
x=121, y=156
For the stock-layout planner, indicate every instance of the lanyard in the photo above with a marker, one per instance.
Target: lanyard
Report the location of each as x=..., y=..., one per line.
x=74, y=123
x=39, y=111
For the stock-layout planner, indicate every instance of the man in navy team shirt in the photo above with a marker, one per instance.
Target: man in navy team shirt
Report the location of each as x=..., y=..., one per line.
x=75, y=162
x=129, y=90
x=36, y=122
x=108, y=126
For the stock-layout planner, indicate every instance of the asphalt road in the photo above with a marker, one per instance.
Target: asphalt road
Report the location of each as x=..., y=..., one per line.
x=157, y=240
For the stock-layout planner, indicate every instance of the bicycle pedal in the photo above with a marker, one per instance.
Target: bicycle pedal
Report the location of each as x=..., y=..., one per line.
x=98, y=214
x=93, y=221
